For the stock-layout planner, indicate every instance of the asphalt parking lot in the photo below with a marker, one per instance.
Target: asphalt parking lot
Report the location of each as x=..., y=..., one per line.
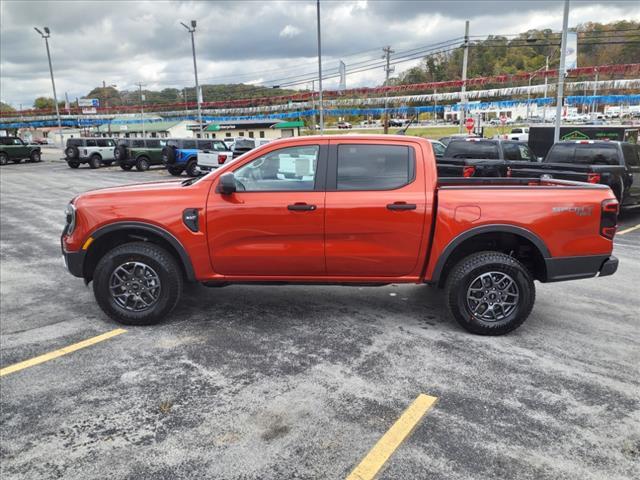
x=258, y=382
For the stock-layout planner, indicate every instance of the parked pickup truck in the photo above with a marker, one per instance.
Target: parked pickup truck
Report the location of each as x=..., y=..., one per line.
x=215, y=157
x=348, y=210
x=482, y=157
x=615, y=164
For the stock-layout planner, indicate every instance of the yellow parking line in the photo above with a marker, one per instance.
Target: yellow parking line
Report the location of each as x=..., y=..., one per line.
x=622, y=232
x=390, y=441
x=58, y=353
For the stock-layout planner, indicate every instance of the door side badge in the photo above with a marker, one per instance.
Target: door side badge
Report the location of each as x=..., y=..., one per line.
x=190, y=219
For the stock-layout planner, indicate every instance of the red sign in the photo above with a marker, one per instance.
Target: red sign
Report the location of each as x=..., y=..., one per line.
x=469, y=123
x=503, y=119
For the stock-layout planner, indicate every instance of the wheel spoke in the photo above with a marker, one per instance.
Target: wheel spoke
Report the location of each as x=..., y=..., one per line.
x=135, y=286
x=492, y=296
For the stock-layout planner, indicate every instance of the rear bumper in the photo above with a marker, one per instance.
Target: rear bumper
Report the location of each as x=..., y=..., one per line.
x=574, y=268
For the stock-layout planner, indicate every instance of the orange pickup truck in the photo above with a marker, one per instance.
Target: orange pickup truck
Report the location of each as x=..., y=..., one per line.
x=352, y=210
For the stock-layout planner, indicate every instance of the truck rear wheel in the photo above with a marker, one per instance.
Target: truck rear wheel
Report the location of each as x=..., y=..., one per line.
x=490, y=293
x=35, y=156
x=175, y=171
x=4, y=158
x=137, y=283
x=126, y=166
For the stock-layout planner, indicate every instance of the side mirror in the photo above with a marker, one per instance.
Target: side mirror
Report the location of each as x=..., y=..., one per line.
x=227, y=184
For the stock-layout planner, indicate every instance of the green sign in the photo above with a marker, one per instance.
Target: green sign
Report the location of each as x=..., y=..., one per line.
x=575, y=135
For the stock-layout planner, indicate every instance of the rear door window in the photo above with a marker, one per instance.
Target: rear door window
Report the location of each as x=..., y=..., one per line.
x=137, y=144
x=465, y=149
x=189, y=144
x=516, y=151
x=561, y=153
x=631, y=155
x=219, y=147
x=205, y=145
x=374, y=167
x=153, y=143
x=590, y=154
x=91, y=143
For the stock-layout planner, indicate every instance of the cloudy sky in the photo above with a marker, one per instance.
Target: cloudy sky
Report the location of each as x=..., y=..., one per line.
x=124, y=42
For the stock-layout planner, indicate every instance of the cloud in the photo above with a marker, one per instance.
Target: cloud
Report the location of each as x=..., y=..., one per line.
x=126, y=42
x=290, y=31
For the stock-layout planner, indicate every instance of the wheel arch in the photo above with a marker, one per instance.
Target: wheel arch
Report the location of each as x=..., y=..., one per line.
x=523, y=244
x=114, y=234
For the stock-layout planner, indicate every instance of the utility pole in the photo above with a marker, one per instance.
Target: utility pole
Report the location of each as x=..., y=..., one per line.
x=195, y=70
x=313, y=102
x=46, y=36
x=595, y=92
x=546, y=88
x=320, y=68
x=140, y=85
x=465, y=59
x=388, y=69
x=561, y=72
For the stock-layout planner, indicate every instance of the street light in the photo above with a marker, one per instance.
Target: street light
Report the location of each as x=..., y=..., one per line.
x=46, y=36
x=191, y=30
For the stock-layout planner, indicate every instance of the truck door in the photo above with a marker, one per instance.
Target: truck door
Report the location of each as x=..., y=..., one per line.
x=273, y=225
x=376, y=208
x=631, y=154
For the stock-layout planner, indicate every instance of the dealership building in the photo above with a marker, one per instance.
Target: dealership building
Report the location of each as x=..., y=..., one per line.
x=269, y=129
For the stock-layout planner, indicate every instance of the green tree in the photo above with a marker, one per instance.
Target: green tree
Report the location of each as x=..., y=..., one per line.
x=6, y=108
x=44, y=103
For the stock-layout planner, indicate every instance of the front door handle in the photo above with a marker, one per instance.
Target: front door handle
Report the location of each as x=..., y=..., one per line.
x=301, y=207
x=401, y=206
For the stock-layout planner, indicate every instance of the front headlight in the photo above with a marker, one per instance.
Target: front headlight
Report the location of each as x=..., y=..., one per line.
x=70, y=213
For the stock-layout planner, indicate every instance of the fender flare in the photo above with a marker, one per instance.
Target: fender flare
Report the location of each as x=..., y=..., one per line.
x=184, y=258
x=493, y=228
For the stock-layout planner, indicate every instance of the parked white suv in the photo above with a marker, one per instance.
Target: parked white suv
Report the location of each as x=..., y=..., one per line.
x=520, y=134
x=94, y=151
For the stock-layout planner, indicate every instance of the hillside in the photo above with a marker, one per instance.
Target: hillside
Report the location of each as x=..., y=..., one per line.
x=526, y=52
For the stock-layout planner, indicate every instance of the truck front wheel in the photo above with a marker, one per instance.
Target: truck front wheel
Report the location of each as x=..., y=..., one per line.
x=137, y=283
x=490, y=293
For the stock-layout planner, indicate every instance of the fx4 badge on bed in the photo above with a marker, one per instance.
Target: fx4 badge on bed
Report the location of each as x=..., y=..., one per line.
x=580, y=211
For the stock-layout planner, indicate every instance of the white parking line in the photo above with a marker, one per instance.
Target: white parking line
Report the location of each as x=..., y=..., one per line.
x=622, y=232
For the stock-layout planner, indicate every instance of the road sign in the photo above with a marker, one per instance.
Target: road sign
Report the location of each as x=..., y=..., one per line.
x=469, y=123
x=88, y=102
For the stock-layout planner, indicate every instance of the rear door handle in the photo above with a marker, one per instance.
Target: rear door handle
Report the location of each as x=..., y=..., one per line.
x=301, y=207
x=401, y=206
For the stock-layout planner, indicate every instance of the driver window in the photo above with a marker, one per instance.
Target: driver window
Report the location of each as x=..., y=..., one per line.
x=290, y=169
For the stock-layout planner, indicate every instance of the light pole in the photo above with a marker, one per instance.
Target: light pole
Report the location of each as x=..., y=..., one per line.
x=561, y=73
x=191, y=30
x=320, y=69
x=46, y=36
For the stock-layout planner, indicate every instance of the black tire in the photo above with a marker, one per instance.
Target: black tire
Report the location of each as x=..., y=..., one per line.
x=95, y=161
x=192, y=168
x=35, y=157
x=126, y=166
x=142, y=164
x=120, y=153
x=175, y=171
x=4, y=158
x=73, y=164
x=72, y=152
x=161, y=263
x=494, y=265
x=168, y=155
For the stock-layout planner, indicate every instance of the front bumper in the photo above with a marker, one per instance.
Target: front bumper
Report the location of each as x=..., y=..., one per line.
x=574, y=268
x=74, y=261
